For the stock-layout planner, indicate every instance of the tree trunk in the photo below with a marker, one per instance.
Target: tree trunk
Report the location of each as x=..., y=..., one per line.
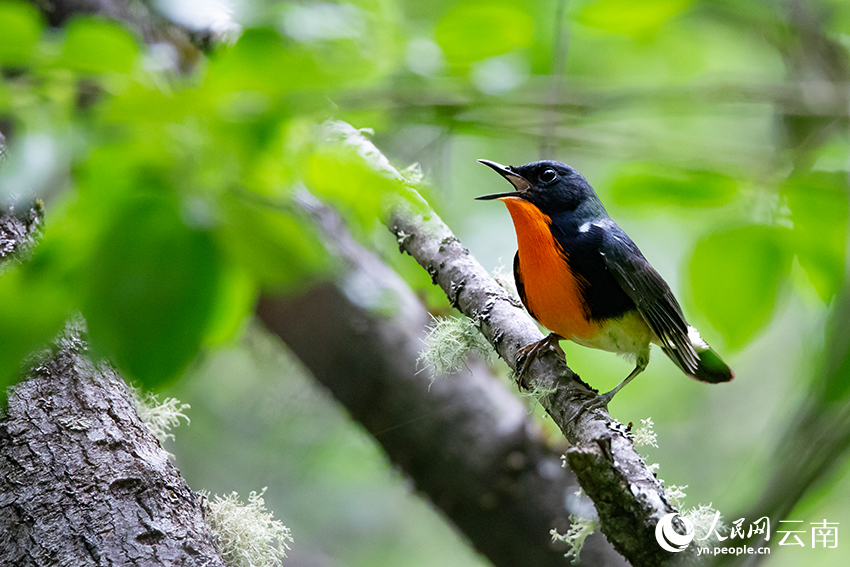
x=83, y=481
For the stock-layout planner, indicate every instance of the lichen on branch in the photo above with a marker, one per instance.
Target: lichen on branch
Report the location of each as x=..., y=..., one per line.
x=448, y=343
x=247, y=535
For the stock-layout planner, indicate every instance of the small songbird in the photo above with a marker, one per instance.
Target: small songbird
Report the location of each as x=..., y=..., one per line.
x=581, y=276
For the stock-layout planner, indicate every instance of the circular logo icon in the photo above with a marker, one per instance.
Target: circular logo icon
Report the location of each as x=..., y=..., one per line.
x=671, y=540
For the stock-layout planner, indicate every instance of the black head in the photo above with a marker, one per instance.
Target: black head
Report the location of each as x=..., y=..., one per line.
x=552, y=186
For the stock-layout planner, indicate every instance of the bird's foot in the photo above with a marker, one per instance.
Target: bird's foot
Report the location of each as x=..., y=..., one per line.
x=529, y=353
x=598, y=401
x=601, y=400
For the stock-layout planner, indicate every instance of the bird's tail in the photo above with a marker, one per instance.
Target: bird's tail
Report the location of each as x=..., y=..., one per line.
x=710, y=367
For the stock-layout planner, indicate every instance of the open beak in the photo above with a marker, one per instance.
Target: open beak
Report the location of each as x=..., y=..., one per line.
x=522, y=186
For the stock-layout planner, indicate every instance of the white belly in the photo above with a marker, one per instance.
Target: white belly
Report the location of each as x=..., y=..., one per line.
x=628, y=335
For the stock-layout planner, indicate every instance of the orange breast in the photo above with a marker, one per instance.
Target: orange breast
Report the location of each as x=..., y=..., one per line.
x=552, y=291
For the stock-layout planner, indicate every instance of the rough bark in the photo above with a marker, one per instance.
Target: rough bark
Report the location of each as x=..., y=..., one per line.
x=19, y=228
x=82, y=479
x=466, y=441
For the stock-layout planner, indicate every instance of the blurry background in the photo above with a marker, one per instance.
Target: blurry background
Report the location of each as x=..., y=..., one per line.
x=715, y=132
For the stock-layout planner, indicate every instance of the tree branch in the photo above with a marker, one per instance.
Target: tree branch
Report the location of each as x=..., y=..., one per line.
x=464, y=439
x=629, y=499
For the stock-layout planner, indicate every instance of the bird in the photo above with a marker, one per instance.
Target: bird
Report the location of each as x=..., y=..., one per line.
x=581, y=277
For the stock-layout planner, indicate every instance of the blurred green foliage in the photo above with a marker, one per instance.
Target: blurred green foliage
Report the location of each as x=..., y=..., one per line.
x=179, y=191
x=472, y=31
x=622, y=16
x=22, y=27
x=819, y=210
x=714, y=131
x=648, y=184
x=94, y=46
x=736, y=276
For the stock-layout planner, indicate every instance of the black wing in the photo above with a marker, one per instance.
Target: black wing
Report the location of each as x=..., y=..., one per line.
x=651, y=294
x=520, y=286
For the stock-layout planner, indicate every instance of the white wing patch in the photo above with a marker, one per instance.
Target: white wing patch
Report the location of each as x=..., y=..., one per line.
x=590, y=224
x=696, y=340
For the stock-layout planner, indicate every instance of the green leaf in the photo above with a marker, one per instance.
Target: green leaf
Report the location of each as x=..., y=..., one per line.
x=93, y=45
x=345, y=179
x=274, y=168
x=266, y=66
x=819, y=211
x=145, y=104
x=278, y=250
x=631, y=18
x=473, y=31
x=735, y=279
x=39, y=295
x=651, y=184
x=259, y=61
x=834, y=383
x=20, y=28
x=33, y=308
x=151, y=290
x=234, y=305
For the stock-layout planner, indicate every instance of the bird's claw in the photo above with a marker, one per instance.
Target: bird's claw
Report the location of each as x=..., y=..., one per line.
x=598, y=401
x=529, y=353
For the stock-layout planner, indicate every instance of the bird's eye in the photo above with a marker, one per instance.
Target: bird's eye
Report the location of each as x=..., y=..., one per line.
x=548, y=176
